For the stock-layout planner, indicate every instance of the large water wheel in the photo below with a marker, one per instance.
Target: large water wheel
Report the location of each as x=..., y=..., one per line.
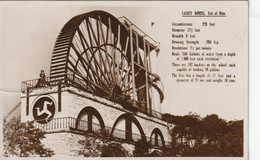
x=98, y=53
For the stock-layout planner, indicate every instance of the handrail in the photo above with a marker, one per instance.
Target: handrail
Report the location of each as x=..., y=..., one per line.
x=12, y=111
x=34, y=83
x=79, y=83
x=68, y=123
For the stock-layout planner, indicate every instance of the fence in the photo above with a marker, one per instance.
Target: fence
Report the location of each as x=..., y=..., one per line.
x=64, y=123
x=68, y=123
x=78, y=83
x=36, y=83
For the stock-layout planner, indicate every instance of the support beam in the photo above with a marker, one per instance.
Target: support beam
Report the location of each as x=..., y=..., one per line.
x=149, y=67
x=128, y=130
x=59, y=96
x=137, y=49
x=132, y=65
x=27, y=100
x=156, y=139
x=146, y=78
x=90, y=122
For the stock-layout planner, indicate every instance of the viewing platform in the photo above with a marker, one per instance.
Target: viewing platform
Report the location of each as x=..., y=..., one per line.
x=34, y=84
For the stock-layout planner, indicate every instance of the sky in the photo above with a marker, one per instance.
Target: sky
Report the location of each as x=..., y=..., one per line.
x=29, y=31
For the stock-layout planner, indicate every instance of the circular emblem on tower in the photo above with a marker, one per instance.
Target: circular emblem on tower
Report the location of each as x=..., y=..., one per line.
x=43, y=110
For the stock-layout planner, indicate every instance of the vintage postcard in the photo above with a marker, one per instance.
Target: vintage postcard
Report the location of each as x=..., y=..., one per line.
x=124, y=79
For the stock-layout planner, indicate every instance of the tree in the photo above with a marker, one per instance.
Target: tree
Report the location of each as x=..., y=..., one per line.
x=141, y=148
x=232, y=142
x=100, y=145
x=23, y=140
x=185, y=135
x=213, y=128
x=209, y=136
x=114, y=150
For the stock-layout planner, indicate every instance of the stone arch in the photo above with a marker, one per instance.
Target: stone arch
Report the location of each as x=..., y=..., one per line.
x=157, y=132
x=129, y=119
x=90, y=112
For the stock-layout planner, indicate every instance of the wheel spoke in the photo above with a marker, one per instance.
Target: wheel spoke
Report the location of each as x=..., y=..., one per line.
x=80, y=75
x=93, y=55
x=107, y=64
x=111, y=51
x=90, y=45
x=93, y=34
x=75, y=68
x=101, y=60
x=118, y=55
x=99, y=27
x=101, y=71
x=99, y=55
x=81, y=60
x=86, y=63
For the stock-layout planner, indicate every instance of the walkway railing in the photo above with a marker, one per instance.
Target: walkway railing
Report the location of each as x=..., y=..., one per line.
x=78, y=83
x=37, y=83
x=68, y=123
x=34, y=83
x=64, y=123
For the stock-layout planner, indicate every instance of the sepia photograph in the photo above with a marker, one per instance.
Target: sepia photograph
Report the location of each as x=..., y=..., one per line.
x=124, y=79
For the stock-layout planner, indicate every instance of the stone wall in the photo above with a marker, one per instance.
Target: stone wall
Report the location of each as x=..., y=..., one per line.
x=110, y=111
x=63, y=143
x=73, y=101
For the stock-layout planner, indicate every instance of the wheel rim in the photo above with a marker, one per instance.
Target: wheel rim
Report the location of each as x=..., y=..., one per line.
x=102, y=55
x=93, y=48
